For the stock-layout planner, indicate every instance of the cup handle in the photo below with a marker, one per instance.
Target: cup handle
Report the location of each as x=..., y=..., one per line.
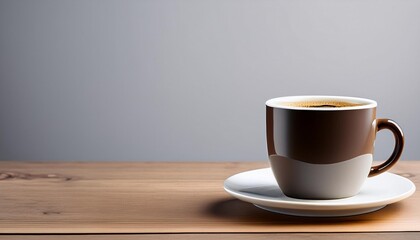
x=399, y=145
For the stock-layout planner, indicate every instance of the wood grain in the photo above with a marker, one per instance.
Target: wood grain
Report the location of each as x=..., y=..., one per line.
x=134, y=197
x=218, y=236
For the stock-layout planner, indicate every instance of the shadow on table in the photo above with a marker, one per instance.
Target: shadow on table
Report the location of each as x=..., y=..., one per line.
x=244, y=212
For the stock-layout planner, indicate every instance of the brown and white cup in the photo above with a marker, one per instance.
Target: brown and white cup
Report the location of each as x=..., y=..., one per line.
x=319, y=149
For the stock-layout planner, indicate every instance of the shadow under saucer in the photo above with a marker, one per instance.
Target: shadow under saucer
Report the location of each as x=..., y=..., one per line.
x=236, y=210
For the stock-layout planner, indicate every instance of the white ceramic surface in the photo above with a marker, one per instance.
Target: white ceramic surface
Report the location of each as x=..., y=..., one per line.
x=260, y=188
x=299, y=178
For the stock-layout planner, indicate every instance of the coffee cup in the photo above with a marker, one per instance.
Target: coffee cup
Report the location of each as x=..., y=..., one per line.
x=321, y=147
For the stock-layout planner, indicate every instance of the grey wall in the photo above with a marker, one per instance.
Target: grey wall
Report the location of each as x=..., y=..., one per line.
x=187, y=80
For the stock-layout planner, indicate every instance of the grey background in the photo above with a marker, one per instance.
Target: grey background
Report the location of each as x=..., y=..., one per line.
x=187, y=80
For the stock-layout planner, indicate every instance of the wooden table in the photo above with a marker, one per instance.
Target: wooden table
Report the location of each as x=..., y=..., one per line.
x=135, y=200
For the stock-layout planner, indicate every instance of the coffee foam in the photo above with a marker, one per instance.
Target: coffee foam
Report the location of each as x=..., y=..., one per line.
x=321, y=104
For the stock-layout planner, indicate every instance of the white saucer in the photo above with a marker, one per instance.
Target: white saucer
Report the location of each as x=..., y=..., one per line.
x=260, y=188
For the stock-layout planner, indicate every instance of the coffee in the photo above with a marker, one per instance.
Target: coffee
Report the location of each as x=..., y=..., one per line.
x=321, y=104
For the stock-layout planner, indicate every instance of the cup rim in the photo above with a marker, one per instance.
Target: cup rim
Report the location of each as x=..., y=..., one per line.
x=276, y=102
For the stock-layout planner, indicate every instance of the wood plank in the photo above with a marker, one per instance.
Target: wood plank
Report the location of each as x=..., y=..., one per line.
x=217, y=236
x=136, y=197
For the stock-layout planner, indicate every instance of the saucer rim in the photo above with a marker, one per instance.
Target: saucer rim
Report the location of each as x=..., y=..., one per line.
x=330, y=204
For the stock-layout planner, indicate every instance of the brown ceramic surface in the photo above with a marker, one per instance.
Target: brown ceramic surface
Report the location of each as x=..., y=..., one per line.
x=320, y=137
